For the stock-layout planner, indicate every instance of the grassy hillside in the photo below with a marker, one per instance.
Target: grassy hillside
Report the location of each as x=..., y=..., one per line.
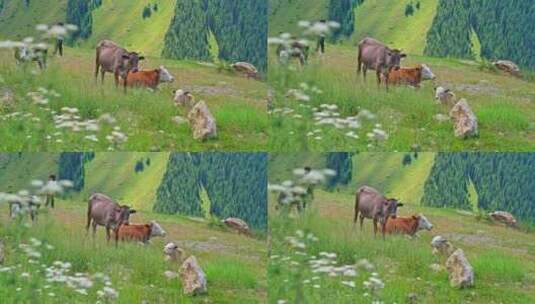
x=503, y=259
x=386, y=21
x=238, y=105
x=234, y=265
x=501, y=103
x=380, y=170
x=18, y=21
x=113, y=174
x=110, y=173
x=122, y=21
x=383, y=20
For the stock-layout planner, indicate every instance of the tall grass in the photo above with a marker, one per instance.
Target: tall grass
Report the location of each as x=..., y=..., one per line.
x=406, y=114
x=136, y=271
x=145, y=116
x=403, y=263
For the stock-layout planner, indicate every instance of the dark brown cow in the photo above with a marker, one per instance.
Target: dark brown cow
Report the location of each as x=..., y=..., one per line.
x=103, y=211
x=375, y=55
x=112, y=58
x=372, y=205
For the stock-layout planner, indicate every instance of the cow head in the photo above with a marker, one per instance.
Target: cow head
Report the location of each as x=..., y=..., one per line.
x=165, y=76
x=390, y=207
x=122, y=215
x=131, y=61
x=427, y=74
x=156, y=229
x=393, y=58
x=423, y=222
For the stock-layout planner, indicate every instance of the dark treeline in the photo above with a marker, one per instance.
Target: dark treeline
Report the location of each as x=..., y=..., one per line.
x=503, y=181
x=342, y=12
x=239, y=26
x=79, y=14
x=235, y=184
x=71, y=167
x=505, y=29
x=342, y=163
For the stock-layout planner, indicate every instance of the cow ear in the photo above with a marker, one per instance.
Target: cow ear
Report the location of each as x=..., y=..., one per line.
x=403, y=55
x=126, y=56
x=415, y=217
x=400, y=205
x=141, y=57
x=132, y=211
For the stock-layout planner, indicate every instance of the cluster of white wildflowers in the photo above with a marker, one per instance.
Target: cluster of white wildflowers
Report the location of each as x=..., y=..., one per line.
x=322, y=270
x=56, y=30
x=30, y=200
x=45, y=32
x=69, y=119
x=309, y=30
x=293, y=191
x=60, y=273
x=327, y=117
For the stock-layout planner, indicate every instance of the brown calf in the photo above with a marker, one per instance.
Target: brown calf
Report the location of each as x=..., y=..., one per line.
x=410, y=76
x=407, y=225
x=139, y=232
x=149, y=78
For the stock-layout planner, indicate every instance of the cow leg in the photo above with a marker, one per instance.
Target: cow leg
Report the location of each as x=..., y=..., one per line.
x=102, y=73
x=94, y=229
x=364, y=70
x=97, y=67
x=378, y=78
x=108, y=234
x=374, y=227
x=88, y=222
x=116, y=231
x=116, y=75
x=383, y=228
x=361, y=221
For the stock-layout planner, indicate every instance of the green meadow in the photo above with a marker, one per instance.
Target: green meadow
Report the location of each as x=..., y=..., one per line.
x=235, y=265
x=145, y=117
x=503, y=105
x=502, y=258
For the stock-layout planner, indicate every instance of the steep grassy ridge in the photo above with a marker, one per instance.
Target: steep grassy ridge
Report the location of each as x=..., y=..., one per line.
x=18, y=21
x=386, y=21
x=285, y=14
x=122, y=21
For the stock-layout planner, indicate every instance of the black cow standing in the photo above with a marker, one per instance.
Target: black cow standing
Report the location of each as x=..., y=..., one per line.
x=320, y=46
x=50, y=196
x=59, y=43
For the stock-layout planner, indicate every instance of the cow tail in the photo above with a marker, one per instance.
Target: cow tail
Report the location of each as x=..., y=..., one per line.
x=88, y=213
x=356, y=208
x=359, y=59
x=97, y=60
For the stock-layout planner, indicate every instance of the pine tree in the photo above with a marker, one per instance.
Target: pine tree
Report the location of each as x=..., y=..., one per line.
x=342, y=163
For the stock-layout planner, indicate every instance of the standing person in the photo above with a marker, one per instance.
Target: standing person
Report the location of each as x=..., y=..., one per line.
x=59, y=43
x=320, y=46
x=50, y=195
